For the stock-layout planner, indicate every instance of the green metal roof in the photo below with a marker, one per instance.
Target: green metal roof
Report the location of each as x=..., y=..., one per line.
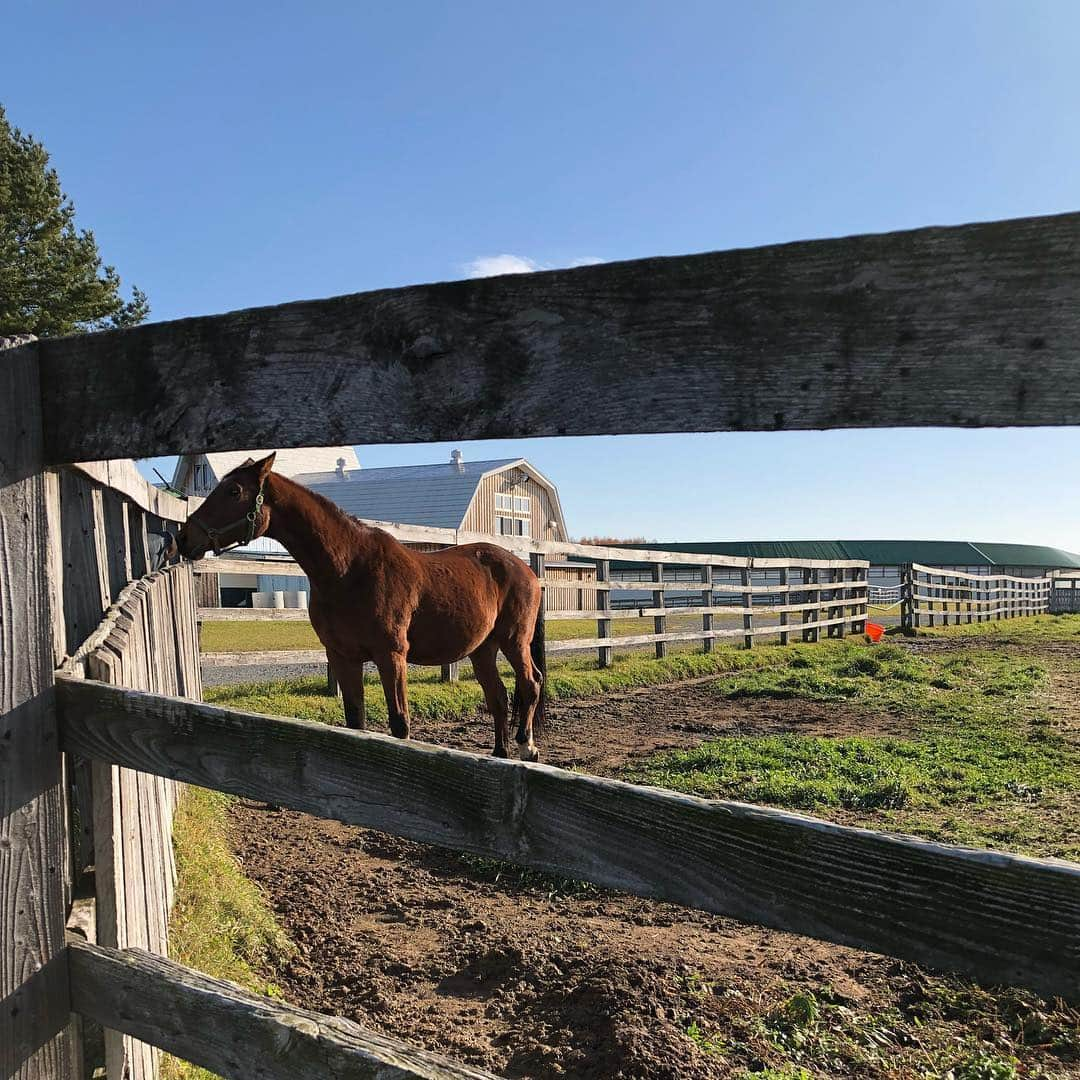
x=927, y=552
x=880, y=552
x=1028, y=555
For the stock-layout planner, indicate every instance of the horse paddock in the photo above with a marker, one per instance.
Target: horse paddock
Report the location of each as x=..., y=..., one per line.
x=529, y=975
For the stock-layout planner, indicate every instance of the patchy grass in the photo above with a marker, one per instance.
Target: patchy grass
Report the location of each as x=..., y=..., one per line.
x=983, y=766
x=429, y=698
x=981, y=740
x=943, y=1029
x=221, y=925
x=1032, y=630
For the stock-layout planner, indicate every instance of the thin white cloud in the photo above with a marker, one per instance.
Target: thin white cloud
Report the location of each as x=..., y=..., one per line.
x=492, y=265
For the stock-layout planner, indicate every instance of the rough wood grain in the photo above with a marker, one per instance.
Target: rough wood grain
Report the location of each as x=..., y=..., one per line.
x=85, y=574
x=34, y=1011
x=1000, y=917
x=236, y=1034
x=963, y=326
x=124, y=478
x=146, y=640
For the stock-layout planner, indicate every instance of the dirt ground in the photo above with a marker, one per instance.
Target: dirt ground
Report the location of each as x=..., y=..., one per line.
x=530, y=977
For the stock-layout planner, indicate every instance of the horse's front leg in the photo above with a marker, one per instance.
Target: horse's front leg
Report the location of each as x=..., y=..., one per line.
x=392, y=671
x=350, y=677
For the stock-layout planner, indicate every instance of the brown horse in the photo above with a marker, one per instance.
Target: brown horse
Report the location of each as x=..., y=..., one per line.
x=374, y=599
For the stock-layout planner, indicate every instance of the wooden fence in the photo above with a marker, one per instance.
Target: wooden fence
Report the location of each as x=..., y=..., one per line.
x=1065, y=594
x=758, y=598
x=146, y=641
x=939, y=596
x=919, y=328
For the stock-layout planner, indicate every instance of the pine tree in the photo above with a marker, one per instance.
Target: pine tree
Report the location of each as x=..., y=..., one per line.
x=52, y=280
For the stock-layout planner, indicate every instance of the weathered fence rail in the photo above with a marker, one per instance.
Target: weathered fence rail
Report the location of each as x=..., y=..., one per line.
x=934, y=595
x=223, y=1028
x=967, y=326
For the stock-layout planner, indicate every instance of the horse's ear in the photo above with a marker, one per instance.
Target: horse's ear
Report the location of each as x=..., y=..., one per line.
x=266, y=465
x=245, y=464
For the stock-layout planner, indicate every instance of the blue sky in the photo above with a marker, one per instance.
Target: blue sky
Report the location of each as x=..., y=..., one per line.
x=236, y=154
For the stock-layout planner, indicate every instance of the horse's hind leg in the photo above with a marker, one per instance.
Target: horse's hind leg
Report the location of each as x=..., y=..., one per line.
x=350, y=677
x=392, y=671
x=527, y=683
x=487, y=675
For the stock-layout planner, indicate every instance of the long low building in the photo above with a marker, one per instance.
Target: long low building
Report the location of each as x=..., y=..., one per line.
x=886, y=559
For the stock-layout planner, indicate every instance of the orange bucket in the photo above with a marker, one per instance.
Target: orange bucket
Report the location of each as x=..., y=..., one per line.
x=874, y=631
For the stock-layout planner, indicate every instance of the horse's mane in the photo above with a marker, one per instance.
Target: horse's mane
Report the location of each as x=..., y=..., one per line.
x=326, y=504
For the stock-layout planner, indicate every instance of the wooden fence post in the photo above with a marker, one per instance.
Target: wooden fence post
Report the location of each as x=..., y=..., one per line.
x=907, y=599
x=706, y=601
x=785, y=599
x=450, y=672
x=748, y=608
x=862, y=576
x=36, y=1041
x=603, y=603
x=659, y=621
x=808, y=614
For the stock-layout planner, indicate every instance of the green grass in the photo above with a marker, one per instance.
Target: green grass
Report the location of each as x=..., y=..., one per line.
x=429, y=698
x=1033, y=630
x=257, y=636
x=943, y=1030
x=980, y=741
x=221, y=924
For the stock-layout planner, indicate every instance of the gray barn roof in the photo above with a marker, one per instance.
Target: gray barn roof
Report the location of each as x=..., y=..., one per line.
x=437, y=495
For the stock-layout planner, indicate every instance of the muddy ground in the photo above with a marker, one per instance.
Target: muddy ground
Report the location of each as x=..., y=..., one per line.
x=530, y=977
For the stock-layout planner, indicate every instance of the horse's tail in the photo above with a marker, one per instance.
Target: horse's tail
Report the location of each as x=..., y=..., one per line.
x=539, y=659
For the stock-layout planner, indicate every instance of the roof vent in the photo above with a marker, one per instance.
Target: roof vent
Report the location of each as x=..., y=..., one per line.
x=456, y=461
x=340, y=470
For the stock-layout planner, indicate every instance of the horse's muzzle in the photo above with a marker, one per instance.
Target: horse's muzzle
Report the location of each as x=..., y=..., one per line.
x=189, y=546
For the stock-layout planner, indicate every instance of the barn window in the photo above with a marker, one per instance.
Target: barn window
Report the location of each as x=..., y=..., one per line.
x=202, y=478
x=517, y=504
x=506, y=526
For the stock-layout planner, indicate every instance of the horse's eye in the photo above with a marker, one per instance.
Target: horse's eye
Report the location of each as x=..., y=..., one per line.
x=236, y=491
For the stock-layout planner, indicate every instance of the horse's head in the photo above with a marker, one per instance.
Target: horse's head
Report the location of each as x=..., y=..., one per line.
x=235, y=512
